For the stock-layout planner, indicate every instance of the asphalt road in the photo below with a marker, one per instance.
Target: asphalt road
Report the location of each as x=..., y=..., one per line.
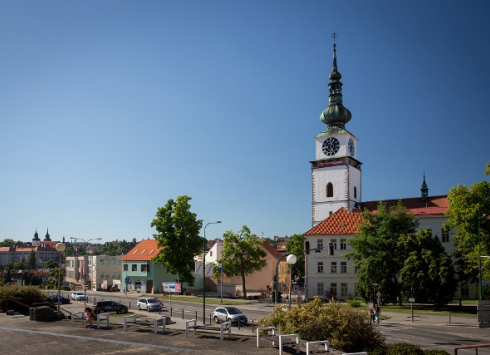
x=430, y=332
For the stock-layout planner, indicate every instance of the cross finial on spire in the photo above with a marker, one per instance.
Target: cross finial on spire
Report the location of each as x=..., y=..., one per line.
x=334, y=36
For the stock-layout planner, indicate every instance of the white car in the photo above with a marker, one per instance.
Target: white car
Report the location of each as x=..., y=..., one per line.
x=78, y=296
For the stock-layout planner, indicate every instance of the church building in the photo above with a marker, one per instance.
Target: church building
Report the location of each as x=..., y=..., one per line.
x=336, y=180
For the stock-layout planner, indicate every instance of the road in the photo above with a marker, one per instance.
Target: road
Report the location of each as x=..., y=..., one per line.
x=428, y=333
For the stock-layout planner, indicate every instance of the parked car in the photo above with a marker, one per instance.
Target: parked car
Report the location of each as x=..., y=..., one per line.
x=78, y=296
x=63, y=300
x=109, y=306
x=150, y=304
x=224, y=314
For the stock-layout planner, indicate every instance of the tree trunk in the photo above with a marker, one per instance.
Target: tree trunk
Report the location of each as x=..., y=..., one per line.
x=243, y=286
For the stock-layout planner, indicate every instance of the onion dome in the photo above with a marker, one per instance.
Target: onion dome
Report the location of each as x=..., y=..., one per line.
x=335, y=116
x=36, y=236
x=47, y=237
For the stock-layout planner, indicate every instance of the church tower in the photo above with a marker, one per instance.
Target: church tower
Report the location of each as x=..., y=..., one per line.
x=336, y=172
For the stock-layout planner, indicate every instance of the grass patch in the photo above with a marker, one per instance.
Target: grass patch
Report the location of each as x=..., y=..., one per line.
x=196, y=299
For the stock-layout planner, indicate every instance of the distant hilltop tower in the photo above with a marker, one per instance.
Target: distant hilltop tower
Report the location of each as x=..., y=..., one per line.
x=335, y=172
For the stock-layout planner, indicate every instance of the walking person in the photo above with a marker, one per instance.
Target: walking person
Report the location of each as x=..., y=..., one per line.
x=90, y=315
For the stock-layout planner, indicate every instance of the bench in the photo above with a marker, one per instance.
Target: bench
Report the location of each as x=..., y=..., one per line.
x=101, y=317
x=282, y=339
x=212, y=327
x=145, y=322
x=312, y=347
x=77, y=315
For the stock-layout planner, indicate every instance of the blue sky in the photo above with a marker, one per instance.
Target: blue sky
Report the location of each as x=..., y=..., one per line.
x=108, y=109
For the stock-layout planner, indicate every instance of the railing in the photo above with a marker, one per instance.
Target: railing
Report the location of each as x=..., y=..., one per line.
x=476, y=347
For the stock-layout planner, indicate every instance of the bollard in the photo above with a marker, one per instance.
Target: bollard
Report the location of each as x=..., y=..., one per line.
x=182, y=313
x=210, y=321
x=171, y=311
x=129, y=306
x=449, y=317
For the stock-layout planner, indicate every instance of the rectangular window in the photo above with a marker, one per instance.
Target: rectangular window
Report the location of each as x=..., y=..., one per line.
x=134, y=267
x=343, y=289
x=333, y=289
x=144, y=268
x=343, y=244
x=334, y=242
x=343, y=267
x=125, y=267
x=319, y=289
x=319, y=244
x=333, y=267
x=445, y=236
x=320, y=267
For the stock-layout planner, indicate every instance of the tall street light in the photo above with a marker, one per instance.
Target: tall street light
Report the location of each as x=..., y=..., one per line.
x=291, y=260
x=204, y=272
x=60, y=248
x=479, y=257
x=84, y=266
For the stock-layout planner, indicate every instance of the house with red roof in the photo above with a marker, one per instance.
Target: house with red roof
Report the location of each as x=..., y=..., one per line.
x=139, y=273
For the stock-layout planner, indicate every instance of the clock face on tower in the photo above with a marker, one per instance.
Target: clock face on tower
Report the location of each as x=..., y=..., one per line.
x=352, y=147
x=330, y=146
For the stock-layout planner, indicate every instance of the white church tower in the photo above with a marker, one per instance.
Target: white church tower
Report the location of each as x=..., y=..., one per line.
x=335, y=172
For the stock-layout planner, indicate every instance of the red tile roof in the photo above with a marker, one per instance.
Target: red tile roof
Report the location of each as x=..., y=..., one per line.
x=341, y=222
x=411, y=203
x=271, y=250
x=143, y=251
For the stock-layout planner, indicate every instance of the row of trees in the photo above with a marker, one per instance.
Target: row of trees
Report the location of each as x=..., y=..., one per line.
x=389, y=252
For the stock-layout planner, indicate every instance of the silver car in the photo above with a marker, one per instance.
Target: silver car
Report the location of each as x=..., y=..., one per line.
x=224, y=314
x=150, y=304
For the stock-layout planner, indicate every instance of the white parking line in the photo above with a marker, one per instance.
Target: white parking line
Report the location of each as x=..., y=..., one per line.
x=97, y=339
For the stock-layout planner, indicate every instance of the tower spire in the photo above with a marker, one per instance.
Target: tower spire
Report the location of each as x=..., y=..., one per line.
x=424, y=190
x=335, y=116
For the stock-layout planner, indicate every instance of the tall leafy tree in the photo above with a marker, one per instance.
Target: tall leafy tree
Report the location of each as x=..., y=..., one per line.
x=178, y=233
x=296, y=245
x=427, y=268
x=465, y=212
x=243, y=254
x=377, y=252
x=32, y=261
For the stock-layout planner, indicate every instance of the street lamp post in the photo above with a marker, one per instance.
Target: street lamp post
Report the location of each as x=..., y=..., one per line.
x=479, y=257
x=204, y=272
x=84, y=266
x=60, y=248
x=291, y=260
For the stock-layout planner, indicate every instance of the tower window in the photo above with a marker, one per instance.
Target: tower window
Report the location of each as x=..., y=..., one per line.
x=355, y=191
x=329, y=189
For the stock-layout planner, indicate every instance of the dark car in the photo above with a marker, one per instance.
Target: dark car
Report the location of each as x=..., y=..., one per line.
x=63, y=300
x=110, y=306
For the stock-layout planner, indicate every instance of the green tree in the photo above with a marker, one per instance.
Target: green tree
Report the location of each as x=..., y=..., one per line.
x=427, y=268
x=377, y=253
x=296, y=245
x=243, y=254
x=52, y=283
x=50, y=264
x=32, y=261
x=466, y=207
x=10, y=243
x=178, y=233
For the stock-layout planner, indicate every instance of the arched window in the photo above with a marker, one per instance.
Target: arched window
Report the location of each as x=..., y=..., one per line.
x=355, y=191
x=329, y=189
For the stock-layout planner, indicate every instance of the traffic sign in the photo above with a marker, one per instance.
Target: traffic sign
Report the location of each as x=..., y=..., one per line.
x=411, y=300
x=220, y=267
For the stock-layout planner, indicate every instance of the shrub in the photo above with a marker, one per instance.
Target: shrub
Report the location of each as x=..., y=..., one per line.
x=347, y=329
x=25, y=294
x=353, y=303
